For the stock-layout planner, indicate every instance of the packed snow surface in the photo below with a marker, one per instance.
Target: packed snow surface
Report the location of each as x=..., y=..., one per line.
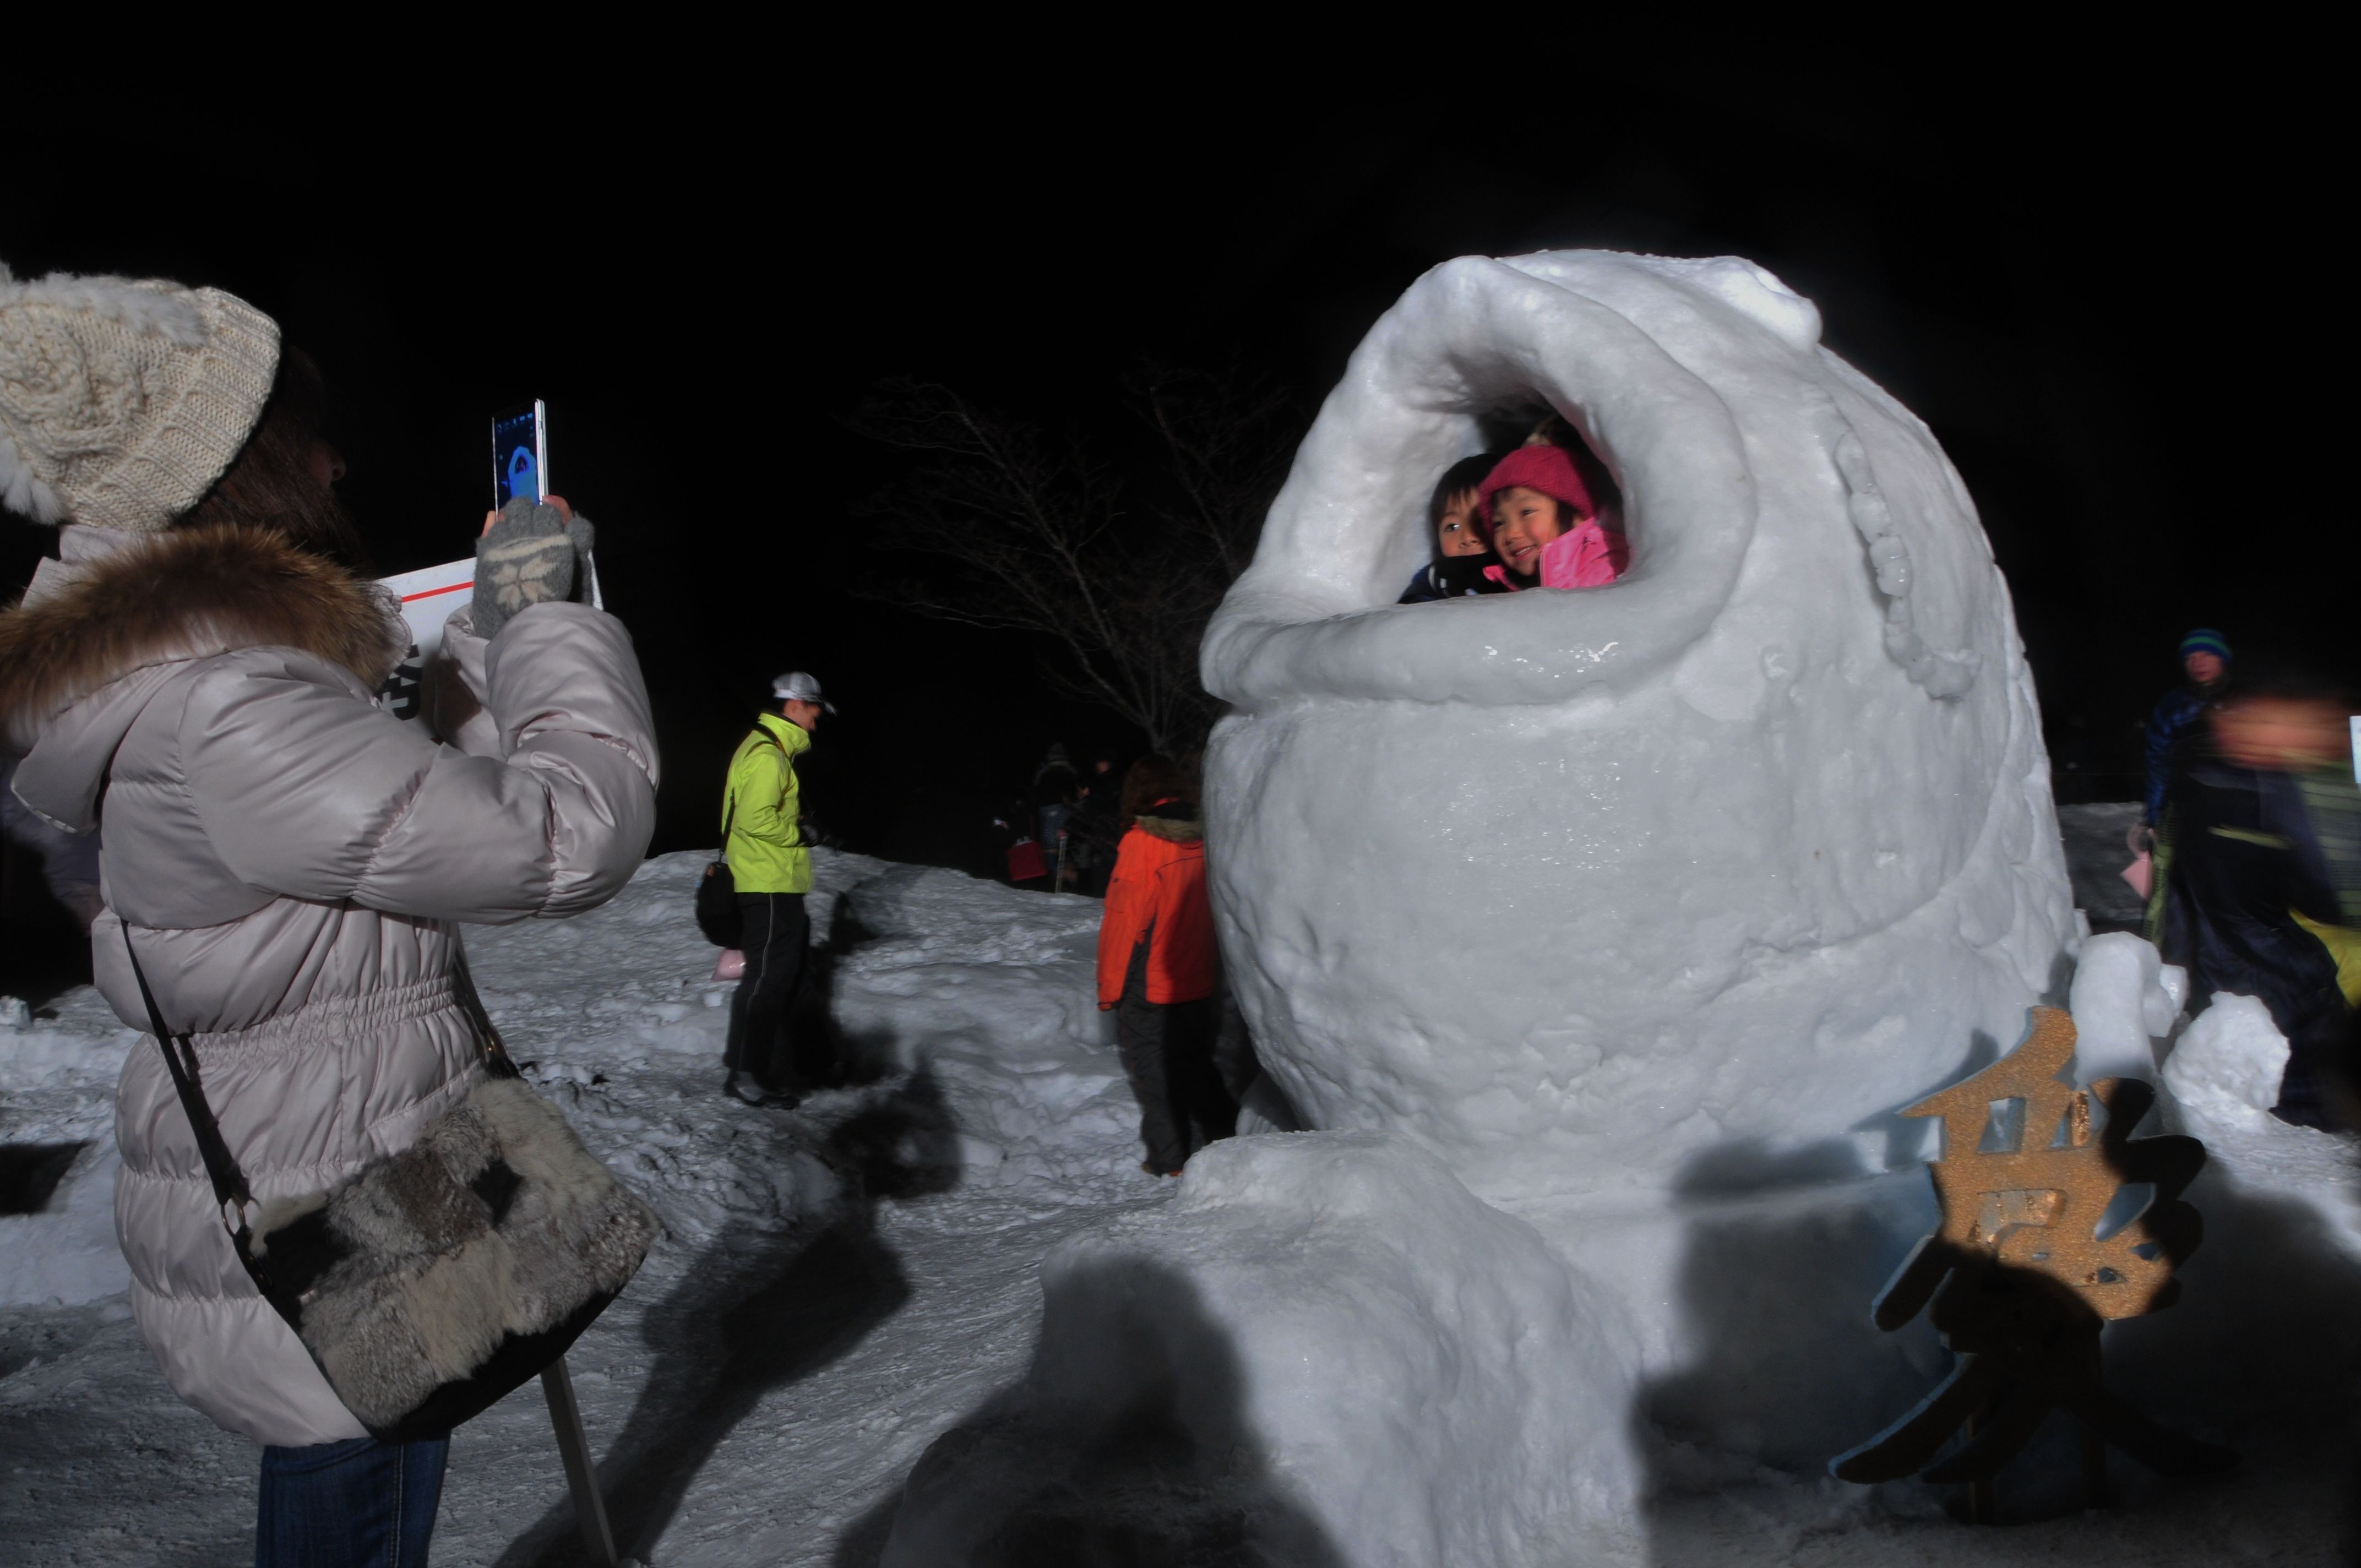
x=750, y=1400
x=943, y=1317
x=1420, y=1371
x=1572, y=888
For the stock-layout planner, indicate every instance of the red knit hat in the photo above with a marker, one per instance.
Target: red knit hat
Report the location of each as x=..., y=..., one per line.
x=1545, y=469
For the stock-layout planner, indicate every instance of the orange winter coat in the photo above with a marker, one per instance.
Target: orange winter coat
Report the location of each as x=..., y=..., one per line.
x=1157, y=895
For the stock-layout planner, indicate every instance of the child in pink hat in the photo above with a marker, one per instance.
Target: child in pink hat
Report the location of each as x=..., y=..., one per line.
x=1544, y=525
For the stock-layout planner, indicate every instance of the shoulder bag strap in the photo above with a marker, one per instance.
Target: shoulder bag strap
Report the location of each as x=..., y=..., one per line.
x=237, y=1205
x=731, y=814
x=727, y=818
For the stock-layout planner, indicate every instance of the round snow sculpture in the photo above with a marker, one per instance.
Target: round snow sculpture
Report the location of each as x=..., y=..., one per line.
x=1570, y=886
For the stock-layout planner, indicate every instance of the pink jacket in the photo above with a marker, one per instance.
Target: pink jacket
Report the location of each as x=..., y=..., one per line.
x=1588, y=556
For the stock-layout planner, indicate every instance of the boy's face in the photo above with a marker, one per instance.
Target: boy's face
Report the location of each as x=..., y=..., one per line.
x=1522, y=522
x=2203, y=668
x=1460, y=532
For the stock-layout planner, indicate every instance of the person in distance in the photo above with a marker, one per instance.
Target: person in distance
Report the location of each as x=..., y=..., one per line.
x=770, y=860
x=1156, y=966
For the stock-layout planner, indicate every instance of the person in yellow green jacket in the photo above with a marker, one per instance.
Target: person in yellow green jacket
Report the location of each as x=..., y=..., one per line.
x=763, y=841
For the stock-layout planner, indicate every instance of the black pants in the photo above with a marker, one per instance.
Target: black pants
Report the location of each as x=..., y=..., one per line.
x=1168, y=1054
x=777, y=934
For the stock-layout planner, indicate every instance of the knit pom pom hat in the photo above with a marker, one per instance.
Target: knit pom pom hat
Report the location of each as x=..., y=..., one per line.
x=1545, y=469
x=121, y=400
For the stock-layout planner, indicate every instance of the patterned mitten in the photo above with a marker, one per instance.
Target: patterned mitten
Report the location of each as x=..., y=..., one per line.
x=528, y=558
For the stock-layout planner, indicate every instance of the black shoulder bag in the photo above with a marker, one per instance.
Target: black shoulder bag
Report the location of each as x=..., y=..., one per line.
x=433, y=1281
x=717, y=915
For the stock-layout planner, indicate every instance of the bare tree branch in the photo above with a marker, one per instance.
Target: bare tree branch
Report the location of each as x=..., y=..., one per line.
x=1034, y=533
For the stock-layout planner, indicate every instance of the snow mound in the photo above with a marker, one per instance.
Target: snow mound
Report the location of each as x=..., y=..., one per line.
x=1568, y=887
x=1377, y=1369
x=2225, y=1071
x=2222, y=1078
x=2120, y=1001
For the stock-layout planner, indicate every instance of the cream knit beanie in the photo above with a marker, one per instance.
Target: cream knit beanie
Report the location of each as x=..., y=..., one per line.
x=122, y=401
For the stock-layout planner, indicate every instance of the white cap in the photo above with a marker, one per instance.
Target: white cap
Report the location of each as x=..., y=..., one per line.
x=797, y=686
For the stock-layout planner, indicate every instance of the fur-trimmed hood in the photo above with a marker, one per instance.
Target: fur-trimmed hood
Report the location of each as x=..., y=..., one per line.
x=190, y=594
x=1176, y=820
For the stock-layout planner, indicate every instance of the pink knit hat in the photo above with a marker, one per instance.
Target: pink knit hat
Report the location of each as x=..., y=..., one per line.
x=1545, y=469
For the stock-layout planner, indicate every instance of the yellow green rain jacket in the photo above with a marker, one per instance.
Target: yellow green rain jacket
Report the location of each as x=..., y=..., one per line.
x=765, y=847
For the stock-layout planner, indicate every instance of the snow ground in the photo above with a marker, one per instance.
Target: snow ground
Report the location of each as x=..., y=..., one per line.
x=846, y=1283
x=839, y=1285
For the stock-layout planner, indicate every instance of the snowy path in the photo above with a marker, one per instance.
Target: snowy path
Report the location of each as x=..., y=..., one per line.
x=842, y=1284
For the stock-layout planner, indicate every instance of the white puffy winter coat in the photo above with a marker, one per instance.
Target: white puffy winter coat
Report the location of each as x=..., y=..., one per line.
x=291, y=862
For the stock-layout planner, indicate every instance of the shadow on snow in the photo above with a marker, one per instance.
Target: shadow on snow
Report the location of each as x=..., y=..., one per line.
x=1125, y=1446
x=757, y=1311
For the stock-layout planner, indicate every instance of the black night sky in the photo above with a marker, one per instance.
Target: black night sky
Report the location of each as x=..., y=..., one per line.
x=2118, y=308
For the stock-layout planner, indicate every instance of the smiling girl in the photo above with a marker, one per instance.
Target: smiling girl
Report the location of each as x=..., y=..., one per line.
x=1544, y=525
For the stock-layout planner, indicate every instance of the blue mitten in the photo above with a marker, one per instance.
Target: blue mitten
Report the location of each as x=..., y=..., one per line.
x=531, y=556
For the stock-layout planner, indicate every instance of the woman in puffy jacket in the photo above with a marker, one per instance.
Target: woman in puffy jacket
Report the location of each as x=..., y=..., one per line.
x=1157, y=963
x=289, y=861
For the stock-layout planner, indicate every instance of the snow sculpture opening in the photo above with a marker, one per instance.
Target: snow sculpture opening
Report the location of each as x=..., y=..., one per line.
x=1570, y=885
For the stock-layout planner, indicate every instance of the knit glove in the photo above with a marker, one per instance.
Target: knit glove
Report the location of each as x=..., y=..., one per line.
x=531, y=556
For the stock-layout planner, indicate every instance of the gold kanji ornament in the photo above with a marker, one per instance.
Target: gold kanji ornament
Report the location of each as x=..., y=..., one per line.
x=2019, y=1281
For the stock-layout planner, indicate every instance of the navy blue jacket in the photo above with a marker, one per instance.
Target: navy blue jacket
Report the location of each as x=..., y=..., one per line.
x=2248, y=853
x=1453, y=576
x=2175, y=715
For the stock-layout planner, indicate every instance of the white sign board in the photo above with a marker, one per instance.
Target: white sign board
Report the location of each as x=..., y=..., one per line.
x=429, y=596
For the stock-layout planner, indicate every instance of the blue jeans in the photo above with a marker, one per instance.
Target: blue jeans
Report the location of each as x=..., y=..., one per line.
x=358, y=1504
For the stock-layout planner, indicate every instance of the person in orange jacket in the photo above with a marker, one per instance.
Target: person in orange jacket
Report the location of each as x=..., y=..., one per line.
x=1157, y=963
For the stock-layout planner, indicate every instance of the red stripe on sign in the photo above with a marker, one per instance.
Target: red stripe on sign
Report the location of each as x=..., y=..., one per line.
x=430, y=593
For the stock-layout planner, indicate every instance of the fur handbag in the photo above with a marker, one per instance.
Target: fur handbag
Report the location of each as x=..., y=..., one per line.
x=433, y=1281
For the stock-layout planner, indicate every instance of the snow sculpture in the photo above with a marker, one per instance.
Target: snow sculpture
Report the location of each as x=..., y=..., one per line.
x=1571, y=886
x=2120, y=986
